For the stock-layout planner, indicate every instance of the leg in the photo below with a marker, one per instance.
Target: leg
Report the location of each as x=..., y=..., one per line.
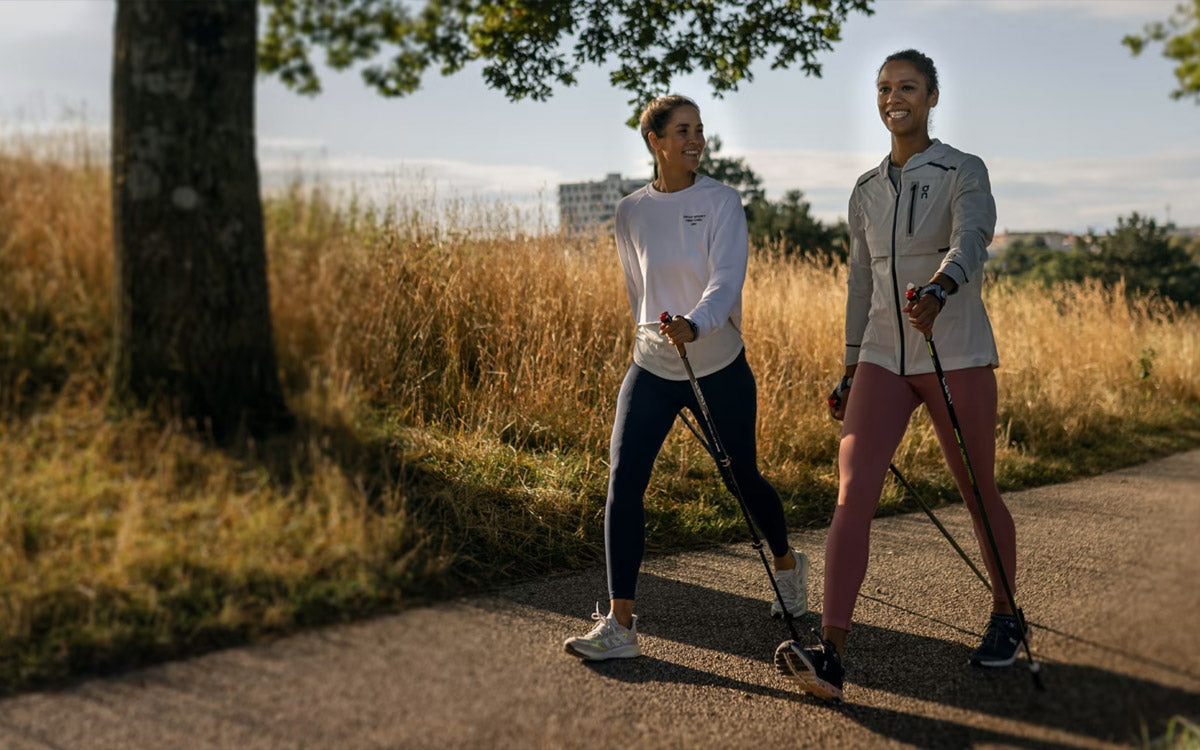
x=646, y=409
x=877, y=413
x=973, y=391
x=731, y=395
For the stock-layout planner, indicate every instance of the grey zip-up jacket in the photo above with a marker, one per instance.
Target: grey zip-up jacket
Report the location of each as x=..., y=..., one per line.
x=941, y=218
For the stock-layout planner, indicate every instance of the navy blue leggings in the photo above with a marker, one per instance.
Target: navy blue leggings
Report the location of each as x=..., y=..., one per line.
x=646, y=409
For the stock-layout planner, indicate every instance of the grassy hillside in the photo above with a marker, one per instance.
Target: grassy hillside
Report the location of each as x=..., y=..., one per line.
x=455, y=383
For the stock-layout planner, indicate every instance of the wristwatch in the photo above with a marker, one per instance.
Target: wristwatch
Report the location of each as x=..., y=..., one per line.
x=938, y=292
x=835, y=398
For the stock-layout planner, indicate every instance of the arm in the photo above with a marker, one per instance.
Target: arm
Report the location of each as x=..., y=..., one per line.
x=973, y=221
x=859, y=286
x=727, y=257
x=629, y=263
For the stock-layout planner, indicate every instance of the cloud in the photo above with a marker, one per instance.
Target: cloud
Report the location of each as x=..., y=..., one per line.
x=808, y=169
x=458, y=195
x=1148, y=10
x=295, y=147
x=1069, y=194
x=53, y=18
x=298, y=157
x=1072, y=194
x=1077, y=194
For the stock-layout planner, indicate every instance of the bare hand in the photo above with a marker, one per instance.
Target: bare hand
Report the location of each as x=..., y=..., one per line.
x=677, y=331
x=841, y=395
x=922, y=313
x=837, y=409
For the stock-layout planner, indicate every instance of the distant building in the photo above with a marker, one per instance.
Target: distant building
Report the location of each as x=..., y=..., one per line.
x=1052, y=240
x=586, y=205
x=1055, y=240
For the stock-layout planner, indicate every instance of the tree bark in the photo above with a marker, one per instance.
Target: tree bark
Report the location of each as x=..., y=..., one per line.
x=193, y=328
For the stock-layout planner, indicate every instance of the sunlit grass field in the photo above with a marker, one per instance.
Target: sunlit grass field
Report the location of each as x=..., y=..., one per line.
x=454, y=382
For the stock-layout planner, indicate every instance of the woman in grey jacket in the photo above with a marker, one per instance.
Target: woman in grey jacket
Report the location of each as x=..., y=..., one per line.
x=925, y=215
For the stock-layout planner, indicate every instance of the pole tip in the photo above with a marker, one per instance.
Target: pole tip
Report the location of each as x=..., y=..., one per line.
x=1035, y=670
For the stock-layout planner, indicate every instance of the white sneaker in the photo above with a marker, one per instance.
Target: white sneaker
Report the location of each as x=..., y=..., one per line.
x=609, y=639
x=793, y=585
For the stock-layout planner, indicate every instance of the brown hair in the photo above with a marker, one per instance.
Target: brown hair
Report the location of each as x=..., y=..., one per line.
x=658, y=112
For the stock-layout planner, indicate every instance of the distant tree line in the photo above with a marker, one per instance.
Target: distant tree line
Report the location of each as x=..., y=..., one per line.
x=784, y=226
x=1139, y=251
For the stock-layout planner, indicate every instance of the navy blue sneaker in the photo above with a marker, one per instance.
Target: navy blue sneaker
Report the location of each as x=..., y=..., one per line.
x=1000, y=644
x=816, y=669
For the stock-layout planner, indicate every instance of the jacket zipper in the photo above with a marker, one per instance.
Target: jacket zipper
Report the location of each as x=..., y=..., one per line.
x=912, y=204
x=895, y=280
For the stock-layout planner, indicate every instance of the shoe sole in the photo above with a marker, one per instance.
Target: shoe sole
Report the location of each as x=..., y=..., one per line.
x=994, y=663
x=567, y=647
x=805, y=674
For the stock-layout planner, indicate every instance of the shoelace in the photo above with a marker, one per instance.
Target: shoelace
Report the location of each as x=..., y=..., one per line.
x=601, y=622
x=604, y=631
x=997, y=632
x=826, y=654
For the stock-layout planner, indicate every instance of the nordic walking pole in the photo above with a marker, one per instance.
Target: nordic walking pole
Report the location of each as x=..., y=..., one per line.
x=1034, y=667
x=724, y=466
x=941, y=528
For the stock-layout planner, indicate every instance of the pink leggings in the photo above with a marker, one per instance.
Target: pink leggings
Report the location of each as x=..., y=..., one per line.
x=877, y=414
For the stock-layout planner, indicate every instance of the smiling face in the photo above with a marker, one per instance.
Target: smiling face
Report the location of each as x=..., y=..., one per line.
x=904, y=99
x=678, y=148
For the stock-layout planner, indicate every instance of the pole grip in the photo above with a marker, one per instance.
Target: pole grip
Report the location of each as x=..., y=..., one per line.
x=665, y=318
x=912, y=295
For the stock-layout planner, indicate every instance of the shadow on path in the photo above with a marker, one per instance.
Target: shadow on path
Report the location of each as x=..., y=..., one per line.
x=649, y=669
x=1087, y=701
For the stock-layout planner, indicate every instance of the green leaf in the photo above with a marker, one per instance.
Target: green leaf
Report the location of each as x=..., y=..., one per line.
x=530, y=46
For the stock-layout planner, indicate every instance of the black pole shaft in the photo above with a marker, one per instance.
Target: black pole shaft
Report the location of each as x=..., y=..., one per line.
x=1034, y=667
x=941, y=528
x=724, y=466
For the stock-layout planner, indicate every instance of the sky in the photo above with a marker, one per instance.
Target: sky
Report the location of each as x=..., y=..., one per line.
x=1075, y=130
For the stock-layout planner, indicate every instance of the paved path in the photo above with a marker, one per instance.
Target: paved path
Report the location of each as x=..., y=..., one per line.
x=1110, y=563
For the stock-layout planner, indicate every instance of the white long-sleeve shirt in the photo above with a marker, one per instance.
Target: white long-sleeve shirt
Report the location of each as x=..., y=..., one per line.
x=685, y=253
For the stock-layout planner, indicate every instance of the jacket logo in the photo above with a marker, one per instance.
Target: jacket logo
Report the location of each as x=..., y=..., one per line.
x=924, y=192
x=693, y=219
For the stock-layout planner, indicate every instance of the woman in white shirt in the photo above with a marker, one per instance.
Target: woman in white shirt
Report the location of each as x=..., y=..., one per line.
x=683, y=246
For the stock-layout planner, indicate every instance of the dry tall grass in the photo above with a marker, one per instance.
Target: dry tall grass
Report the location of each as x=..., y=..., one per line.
x=455, y=390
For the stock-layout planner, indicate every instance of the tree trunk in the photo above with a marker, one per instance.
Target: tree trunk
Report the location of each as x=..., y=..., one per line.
x=193, y=328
